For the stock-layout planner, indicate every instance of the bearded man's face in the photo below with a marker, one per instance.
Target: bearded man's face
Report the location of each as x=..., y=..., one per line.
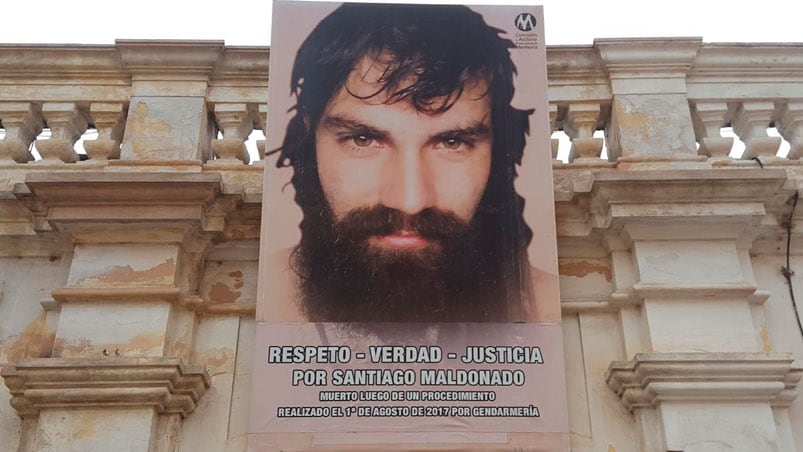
x=401, y=237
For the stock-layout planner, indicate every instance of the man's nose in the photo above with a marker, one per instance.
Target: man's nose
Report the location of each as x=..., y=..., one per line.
x=407, y=186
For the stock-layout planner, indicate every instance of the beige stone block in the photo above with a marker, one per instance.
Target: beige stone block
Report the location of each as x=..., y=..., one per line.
x=207, y=428
x=215, y=348
x=166, y=128
x=125, y=328
x=181, y=329
x=127, y=265
x=94, y=430
x=215, y=343
x=10, y=422
x=612, y=427
x=241, y=391
x=688, y=261
x=585, y=279
x=576, y=390
x=24, y=329
x=785, y=427
x=705, y=427
x=651, y=126
x=229, y=282
x=781, y=326
x=700, y=325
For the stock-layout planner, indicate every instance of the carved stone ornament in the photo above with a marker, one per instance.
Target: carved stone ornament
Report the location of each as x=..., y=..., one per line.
x=651, y=378
x=165, y=384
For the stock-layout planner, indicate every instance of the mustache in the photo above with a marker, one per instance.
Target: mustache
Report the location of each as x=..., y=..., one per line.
x=431, y=223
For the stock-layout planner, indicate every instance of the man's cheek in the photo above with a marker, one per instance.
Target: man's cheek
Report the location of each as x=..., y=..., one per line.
x=347, y=186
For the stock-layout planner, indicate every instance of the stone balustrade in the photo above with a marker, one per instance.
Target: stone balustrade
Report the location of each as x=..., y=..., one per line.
x=130, y=210
x=692, y=90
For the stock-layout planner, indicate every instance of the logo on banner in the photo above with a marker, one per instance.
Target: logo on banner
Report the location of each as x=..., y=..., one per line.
x=525, y=22
x=526, y=36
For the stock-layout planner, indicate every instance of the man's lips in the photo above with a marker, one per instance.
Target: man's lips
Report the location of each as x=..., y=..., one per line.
x=401, y=239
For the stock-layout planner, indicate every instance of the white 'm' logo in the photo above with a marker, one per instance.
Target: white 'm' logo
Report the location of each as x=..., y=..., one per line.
x=525, y=22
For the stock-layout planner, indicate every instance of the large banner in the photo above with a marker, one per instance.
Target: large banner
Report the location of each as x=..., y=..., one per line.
x=408, y=262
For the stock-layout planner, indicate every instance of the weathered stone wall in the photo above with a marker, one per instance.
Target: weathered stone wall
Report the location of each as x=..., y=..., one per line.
x=128, y=276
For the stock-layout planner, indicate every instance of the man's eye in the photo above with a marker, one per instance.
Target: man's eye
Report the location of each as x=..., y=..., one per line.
x=453, y=144
x=362, y=140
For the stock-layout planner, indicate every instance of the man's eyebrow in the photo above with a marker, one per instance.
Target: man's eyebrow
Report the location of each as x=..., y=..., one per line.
x=352, y=125
x=476, y=130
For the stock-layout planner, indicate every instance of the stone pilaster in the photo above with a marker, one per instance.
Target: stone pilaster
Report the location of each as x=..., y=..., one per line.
x=650, y=119
x=698, y=373
x=168, y=119
x=125, y=323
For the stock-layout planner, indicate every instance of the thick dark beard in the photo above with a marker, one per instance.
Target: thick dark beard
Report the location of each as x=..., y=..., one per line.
x=343, y=278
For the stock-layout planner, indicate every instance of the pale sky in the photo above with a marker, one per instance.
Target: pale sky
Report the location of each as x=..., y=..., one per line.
x=247, y=22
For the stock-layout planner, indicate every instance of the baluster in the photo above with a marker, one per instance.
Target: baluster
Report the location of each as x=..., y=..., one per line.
x=66, y=123
x=23, y=122
x=109, y=119
x=236, y=124
x=553, y=121
x=708, y=118
x=790, y=126
x=580, y=123
x=751, y=122
x=263, y=122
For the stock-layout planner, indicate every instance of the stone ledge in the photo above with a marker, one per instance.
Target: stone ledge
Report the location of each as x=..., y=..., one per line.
x=84, y=204
x=639, y=291
x=70, y=188
x=651, y=378
x=165, y=384
x=95, y=294
x=205, y=307
x=685, y=186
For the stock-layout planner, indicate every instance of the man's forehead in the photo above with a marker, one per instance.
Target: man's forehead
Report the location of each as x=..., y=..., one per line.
x=370, y=80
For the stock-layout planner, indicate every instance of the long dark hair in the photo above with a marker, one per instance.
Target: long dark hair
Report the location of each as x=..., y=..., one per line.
x=439, y=49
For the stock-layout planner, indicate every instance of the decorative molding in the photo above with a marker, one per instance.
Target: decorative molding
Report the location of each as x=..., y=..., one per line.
x=116, y=294
x=647, y=57
x=709, y=204
x=86, y=200
x=170, y=59
x=574, y=306
x=204, y=307
x=639, y=291
x=651, y=378
x=165, y=384
x=754, y=60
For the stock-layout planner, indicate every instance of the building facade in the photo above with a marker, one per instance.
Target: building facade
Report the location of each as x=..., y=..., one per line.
x=128, y=269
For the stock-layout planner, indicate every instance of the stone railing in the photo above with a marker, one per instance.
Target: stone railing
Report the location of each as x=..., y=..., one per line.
x=196, y=101
x=127, y=183
x=680, y=94
x=206, y=100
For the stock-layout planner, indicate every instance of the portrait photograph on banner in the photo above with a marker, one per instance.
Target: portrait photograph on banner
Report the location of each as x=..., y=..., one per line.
x=408, y=275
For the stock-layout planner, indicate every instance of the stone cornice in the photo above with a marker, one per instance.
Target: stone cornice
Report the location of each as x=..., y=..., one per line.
x=165, y=384
x=90, y=188
x=183, y=60
x=243, y=63
x=737, y=291
x=573, y=62
x=60, y=64
x=680, y=187
x=573, y=70
x=176, y=203
x=739, y=60
x=652, y=204
x=646, y=56
x=651, y=378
